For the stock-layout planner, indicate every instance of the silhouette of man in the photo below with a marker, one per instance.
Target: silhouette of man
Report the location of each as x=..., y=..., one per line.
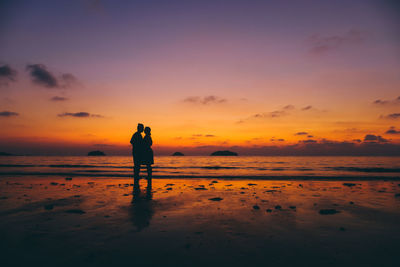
x=137, y=150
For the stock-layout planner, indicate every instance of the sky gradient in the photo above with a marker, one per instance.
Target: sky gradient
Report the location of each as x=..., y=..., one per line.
x=258, y=77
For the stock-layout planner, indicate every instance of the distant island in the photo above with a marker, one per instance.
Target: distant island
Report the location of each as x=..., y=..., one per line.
x=5, y=154
x=96, y=153
x=224, y=153
x=178, y=154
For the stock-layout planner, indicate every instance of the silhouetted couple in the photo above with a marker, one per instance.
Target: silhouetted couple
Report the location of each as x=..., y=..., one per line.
x=141, y=151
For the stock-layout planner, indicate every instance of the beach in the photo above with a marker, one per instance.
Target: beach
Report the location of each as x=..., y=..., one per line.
x=198, y=222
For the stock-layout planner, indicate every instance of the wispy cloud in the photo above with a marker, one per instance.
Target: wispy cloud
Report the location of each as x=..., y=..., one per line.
x=206, y=100
x=301, y=133
x=322, y=44
x=380, y=102
x=374, y=139
x=306, y=108
x=391, y=116
x=43, y=77
x=7, y=75
x=8, y=114
x=284, y=111
x=80, y=115
x=58, y=98
x=392, y=130
x=308, y=141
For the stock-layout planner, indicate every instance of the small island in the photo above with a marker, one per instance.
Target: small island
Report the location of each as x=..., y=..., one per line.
x=224, y=153
x=178, y=154
x=96, y=153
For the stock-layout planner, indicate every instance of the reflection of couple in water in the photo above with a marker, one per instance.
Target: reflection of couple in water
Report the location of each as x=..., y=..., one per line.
x=141, y=151
x=142, y=209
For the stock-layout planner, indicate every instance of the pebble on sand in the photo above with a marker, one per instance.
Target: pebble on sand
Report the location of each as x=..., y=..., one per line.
x=278, y=207
x=256, y=207
x=268, y=210
x=328, y=211
x=200, y=188
x=68, y=178
x=54, y=183
x=349, y=184
x=215, y=199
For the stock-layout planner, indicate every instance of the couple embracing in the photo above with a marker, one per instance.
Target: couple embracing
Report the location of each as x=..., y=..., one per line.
x=141, y=151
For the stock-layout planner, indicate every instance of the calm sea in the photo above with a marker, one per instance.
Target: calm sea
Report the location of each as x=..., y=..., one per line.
x=199, y=166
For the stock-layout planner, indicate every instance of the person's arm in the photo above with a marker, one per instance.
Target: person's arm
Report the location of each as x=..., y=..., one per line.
x=150, y=141
x=132, y=139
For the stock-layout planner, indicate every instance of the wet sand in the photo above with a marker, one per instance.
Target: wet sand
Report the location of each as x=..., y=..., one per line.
x=198, y=222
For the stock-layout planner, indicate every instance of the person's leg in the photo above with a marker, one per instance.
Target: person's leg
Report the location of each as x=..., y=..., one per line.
x=133, y=160
x=149, y=172
x=136, y=169
x=149, y=194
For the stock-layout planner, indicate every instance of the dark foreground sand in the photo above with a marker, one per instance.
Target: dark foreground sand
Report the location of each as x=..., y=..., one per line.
x=181, y=222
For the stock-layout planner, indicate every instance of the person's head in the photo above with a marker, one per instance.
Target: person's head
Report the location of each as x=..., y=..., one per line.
x=140, y=127
x=147, y=130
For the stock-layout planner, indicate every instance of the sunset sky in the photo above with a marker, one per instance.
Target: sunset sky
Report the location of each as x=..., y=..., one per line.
x=255, y=76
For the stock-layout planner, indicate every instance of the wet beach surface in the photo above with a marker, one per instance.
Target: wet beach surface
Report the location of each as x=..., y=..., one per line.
x=212, y=222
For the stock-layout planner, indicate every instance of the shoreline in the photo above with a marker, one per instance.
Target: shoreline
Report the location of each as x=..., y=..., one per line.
x=223, y=177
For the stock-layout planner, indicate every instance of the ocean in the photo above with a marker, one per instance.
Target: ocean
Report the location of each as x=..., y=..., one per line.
x=246, y=167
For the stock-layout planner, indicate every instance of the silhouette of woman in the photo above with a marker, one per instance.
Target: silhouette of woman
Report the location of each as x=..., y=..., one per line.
x=148, y=157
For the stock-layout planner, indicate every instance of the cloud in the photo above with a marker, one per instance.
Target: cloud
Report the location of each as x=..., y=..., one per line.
x=80, y=115
x=380, y=102
x=323, y=44
x=301, y=133
x=392, y=116
x=58, y=98
x=272, y=114
x=308, y=141
x=288, y=107
x=375, y=138
x=392, y=130
x=43, y=77
x=7, y=75
x=8, y=114
x=278, y=140
x=211, y=99
x=284, y=111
